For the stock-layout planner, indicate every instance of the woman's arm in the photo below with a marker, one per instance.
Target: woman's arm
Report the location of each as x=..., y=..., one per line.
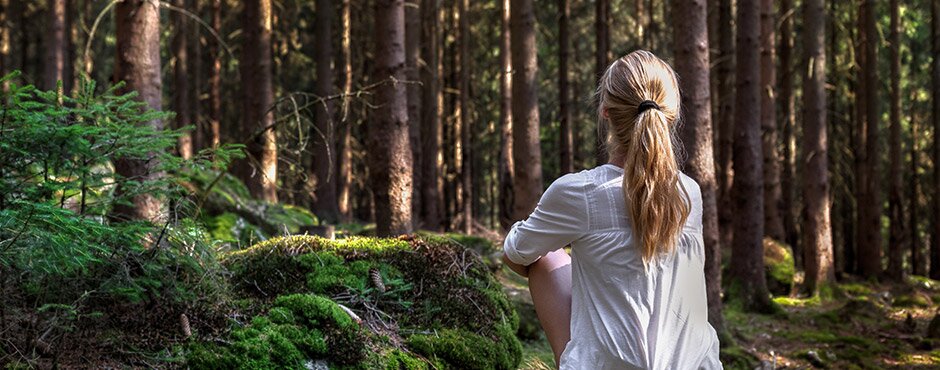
x=515, y=267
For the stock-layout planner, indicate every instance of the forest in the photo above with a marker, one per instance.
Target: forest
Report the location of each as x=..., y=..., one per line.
x=327, y=184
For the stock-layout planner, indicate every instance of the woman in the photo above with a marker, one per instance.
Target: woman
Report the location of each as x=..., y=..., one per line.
x=632, y=294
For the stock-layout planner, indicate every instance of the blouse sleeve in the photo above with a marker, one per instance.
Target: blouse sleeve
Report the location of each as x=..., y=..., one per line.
x=560, y=218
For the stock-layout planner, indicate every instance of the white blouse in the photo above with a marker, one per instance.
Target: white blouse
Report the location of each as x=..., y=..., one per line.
x=622, y=315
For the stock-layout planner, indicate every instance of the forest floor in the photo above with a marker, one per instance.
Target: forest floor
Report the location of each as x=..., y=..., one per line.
x=867, y=326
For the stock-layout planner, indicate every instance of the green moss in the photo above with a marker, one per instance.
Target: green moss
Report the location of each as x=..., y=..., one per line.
x=738, y=358
x=462, y=349
x=798, y=302
x=856, y=289
x=296, y=329
x=779, y=267
x=913, y=299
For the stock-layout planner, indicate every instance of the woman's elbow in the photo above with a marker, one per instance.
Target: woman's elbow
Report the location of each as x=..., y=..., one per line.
x=515, y=267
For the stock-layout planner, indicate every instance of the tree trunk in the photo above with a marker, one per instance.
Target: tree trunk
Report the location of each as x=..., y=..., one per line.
x=566, y=138
x=257, y=120
x=56, y=45
x=431, y=118
x=505, y=122
x=639, y=20
x=788, y=114
x=466, y=125
x=344, y=142
x=5, y=33
x=412, y=71
x=601, y=61
x=138, y=64
x=725, y=71
x=181, y=78
x=747, y=257
x=389, y=152
x=215, y=78
x=918, y=261
x=773, y=222
x=324, y=137
x=817, y=229
x=869, y=196
x=691, y=62
x=935, y=86
x=895, y=269
x=195, y=65
x=525, y=110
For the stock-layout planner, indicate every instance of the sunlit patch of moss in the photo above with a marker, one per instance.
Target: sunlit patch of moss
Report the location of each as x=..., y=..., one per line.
x=779, y=266
x=462, y=349
x=296, y=329
x=856, y=289
x=798, y=302
x=913, y=299
x=923, y=282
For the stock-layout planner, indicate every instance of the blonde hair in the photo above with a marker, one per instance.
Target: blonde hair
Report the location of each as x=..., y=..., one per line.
x=656, y=201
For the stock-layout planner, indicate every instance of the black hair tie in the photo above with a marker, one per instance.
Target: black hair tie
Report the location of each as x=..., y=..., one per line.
x=645, y=105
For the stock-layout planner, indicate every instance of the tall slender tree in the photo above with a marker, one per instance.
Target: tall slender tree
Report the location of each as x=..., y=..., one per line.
x=324, y=204
x=918, y=261
x=773, y=221
x=525, y=110
x=344, y=140
x=787, y=102
x=505, y=121
x=565, y=137
x=466, y=123
x=138, y=64
x=747, y=256
x=869, y=195
x=389, y=154
x=692, y=65
x=413, y=33
x=431, y=117
x=257, y=116
x=56, y=46
x=181, y=78
x=895, y=269
x=818, y=231
x=601, y=60
x=215, y=76
x=935, y=117
x=725, y=72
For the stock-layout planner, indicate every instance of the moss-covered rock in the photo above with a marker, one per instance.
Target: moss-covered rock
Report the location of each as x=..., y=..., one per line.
x=778, y=266
x=423, y=300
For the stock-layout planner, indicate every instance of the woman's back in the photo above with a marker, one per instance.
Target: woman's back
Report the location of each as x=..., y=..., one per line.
x=622, y=315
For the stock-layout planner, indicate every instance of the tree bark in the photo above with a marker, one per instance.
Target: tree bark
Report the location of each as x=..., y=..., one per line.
x=935, y=86
x=431, y=118
x=344, y=142
x=257, y=102
x=565, y=137
x=747, y=257
x=506, y=169
x=56, y=46
x=389, y=153
x=918, y=260
x=692, y=65
x=412, y=71
x=869, y=195
x=324, y=137
x=601, y=61
x=466, y=124
x=817, y=228
x=773, y=222
x=725, y=71
x=138, y=64
x=525, y=110
x=788, y=115
x=5, y=33
x=215, y=78
x=181, y=78
x=895, y=269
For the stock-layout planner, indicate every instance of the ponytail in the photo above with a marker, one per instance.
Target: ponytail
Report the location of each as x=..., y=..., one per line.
x=638, y=100
x=656, y=203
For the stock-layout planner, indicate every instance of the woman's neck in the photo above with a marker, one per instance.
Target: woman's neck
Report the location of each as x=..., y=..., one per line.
x=617, y=161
